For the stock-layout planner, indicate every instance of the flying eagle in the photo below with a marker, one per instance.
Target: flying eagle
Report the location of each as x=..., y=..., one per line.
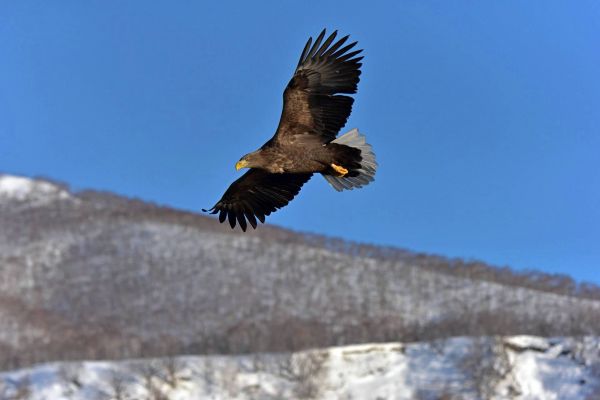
x=305, y=142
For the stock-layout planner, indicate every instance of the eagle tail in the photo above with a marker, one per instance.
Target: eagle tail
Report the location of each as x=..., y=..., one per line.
x=365, y=173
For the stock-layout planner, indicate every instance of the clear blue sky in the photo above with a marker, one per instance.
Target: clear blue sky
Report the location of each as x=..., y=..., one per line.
x=485, y=116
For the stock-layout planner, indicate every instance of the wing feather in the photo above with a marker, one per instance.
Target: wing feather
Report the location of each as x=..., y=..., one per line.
x=316, y=45
x=326, y=44
x=313, y=103
x=336, y=46
x=306, y=48
x=344, y=49
x=257, y=194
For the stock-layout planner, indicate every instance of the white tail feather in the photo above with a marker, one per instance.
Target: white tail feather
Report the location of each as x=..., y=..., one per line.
x=368, y=165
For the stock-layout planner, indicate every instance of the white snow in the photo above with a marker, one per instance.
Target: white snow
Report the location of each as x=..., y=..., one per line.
x=362, y=372
x=26, y=189
x=528, y=342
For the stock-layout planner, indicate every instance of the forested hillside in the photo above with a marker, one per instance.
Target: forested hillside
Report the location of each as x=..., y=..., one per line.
x=96, y=276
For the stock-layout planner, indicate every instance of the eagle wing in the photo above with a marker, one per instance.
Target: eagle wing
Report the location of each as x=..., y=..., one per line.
x=311, y=105
x=257, y=194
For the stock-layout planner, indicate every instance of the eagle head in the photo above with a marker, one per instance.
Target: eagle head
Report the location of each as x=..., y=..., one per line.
x=250, y=160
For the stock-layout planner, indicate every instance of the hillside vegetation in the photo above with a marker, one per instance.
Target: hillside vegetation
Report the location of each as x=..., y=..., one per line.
x=96, y=276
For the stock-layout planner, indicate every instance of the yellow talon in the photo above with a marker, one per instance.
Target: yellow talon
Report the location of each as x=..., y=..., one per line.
x=340, y=170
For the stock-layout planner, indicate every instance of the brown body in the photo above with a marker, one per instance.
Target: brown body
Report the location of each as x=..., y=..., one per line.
x=313, y=157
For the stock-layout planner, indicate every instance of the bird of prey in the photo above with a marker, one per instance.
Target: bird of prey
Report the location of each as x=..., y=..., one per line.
x=314, y=110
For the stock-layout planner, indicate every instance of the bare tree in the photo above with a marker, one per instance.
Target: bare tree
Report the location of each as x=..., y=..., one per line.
x=209, y=376
x=69, y=375
x=150, y=379
x=485, y=365
x=168, y=369
x=117, y=385
x=305, y=370
x=228, y=381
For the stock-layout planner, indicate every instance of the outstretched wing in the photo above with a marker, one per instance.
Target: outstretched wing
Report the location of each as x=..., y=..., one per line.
x=257, y=194
x=311, y=105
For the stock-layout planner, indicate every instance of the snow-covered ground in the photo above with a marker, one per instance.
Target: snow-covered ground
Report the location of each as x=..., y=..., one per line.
x=461, y=368
x=35, y=192
x=67, y=259
x=21, y=188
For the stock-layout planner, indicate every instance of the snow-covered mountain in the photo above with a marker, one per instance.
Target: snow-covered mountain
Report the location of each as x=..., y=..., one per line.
x=462, y=368
x=93, y=275
x=33, y=192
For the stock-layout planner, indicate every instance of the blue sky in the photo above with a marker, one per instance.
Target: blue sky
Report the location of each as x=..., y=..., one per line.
x=484, y=115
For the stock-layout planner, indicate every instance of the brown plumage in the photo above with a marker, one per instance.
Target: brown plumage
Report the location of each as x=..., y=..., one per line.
x=305, y=141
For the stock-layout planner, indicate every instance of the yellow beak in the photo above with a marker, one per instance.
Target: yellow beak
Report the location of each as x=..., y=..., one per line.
x=241, y=164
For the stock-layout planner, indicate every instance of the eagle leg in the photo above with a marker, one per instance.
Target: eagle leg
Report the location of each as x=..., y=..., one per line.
x=341, y=171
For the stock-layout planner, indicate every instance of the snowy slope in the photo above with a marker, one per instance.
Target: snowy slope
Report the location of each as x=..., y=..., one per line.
x=35, y=192
x=528, y=368
x=96, y=276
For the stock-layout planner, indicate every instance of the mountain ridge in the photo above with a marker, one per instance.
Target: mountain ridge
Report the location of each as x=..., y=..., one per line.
x=94, y=275
x=479, y=269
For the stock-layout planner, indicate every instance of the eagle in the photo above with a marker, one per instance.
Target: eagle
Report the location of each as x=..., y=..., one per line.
x=315, y=108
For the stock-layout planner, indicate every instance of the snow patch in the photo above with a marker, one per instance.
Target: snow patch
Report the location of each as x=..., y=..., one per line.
x=524, y=342
x=24, y=189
